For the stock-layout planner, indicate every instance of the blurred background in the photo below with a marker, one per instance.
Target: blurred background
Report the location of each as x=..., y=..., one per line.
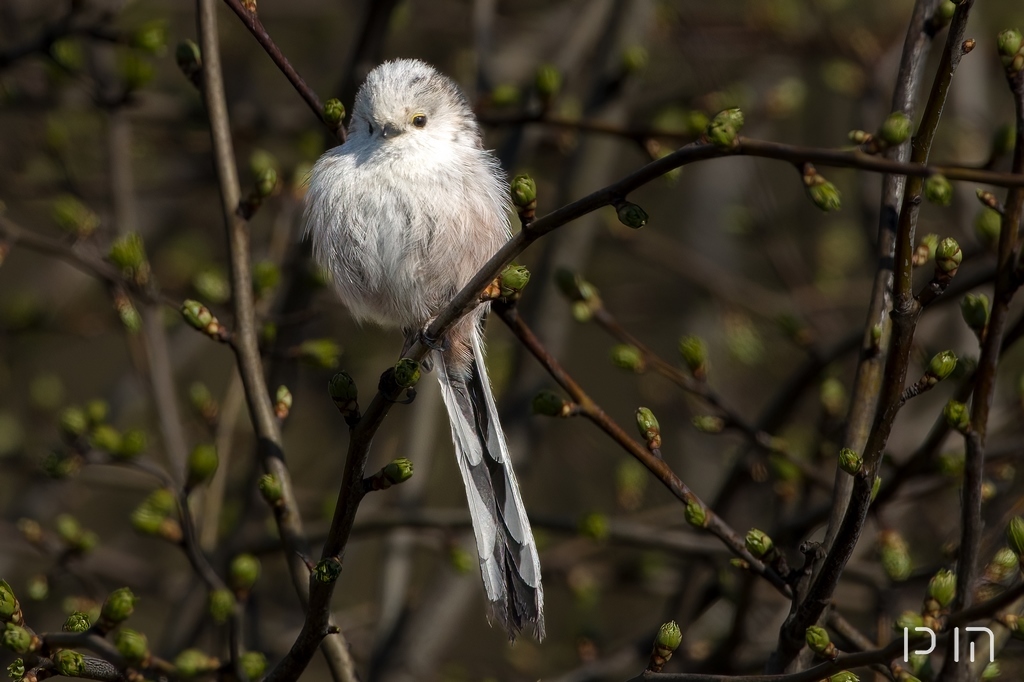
x=101, y=135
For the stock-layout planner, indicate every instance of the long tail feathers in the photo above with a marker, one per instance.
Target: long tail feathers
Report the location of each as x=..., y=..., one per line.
x=508, y=555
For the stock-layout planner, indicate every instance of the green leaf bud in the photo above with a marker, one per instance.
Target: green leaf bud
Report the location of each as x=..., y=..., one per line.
x=68, y=528
x=514, y=279
x=193, y=662
x=669, y=637
x=706, y=423
x=212, y=284
x=69, y=663
x=987, y=227
x=253, y=664
x=398, y=471
x=9, y=606
x=926, y=248
x=844, y=676
x=1003, y=566
x=957, y=415
x=695, y=354
x=1008, y=43
x=322, y=353
x=945, y=11
x=1004, y=139
x=265, y=277
x=106, y=438
x=647, y=425
x=73, y=422
x=948, y=256
x=941, y=365
x=548, y=81
x=550, y=404
x=327, y=570
x=119, y=605
x=342, y=390
x=129, y=254
x=151, y=37
x=17, y=639
x=334, y=111
x=133, y=444
x=243, y=572
x=825, y=196
x=220, y=605
x=628, y=357
x=975, y=311
x=942, y=587
x=833, y=397
x=266, y=182
x=908, y=620
x=524, y=190
x=895, y=129
x=895, y=555
x=1015, y=535
x=202, y=464
x=38, y=587
x=199, y=316
x=938, y=190
x=282, y=402
x=75, y=217
x=271, y=489
x=16, y=670
x=133, y=645
x=850, y=461
x=817, y=639
x=695, y=514
x=504, y=95
x=991, y=671
x=758, y=543
x=595, y=526
x=631, y=215
x=724, y=128
x=189, y=60
x=407, y=373
x=77, y=622
x=461, y=560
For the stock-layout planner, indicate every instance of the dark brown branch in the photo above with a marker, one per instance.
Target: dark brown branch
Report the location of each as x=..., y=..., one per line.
x=255, y=26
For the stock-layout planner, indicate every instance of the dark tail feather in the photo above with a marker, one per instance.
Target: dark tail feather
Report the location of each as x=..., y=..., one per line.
x=508, y=555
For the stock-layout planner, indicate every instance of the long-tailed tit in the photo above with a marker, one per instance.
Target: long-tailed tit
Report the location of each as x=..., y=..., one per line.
x=402, y=216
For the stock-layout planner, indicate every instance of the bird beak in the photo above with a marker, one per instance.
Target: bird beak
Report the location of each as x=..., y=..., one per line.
x=390, y=130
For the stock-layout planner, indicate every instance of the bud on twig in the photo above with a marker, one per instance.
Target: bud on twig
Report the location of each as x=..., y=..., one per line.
x=987, y=227
x=595, y=526
x=524, y=196
x=398, y=470
x=820, y=643
x=327, y=570
x=128, y=253
x=243, y=573
x=199, y=317
x=1010, y=44
x=1015, y=536
x=75, y=217
x=77, y=622
x=706, y=423
x=10, y=609
x=925, y=249
x=957, y=416
x=189, y=61
x=220, y=605
x=631, y=215
x=550, y=404
x=695, y=514
x=948, y=258
x=759, y=544
x=695, y=355
x=271, y=489
x=938, y=190
x=548, y=82
x=895, y=555
x=850, y=461
x=69, y=663
x=334, y=112
x=322, y=353
x=649, y=428
x=895, y=129
x=942, y=587
x=253, y=664
x=941, y=366
x=407, y=373
x=345, y=395
x=19, y=639
x=823, y=193
x=1003, y=566
x=202, y=464
x=133, y=645
x=975, y=311
x=282, y=402
x=665, y=643
x=119, y=605
x=193, y=662
x=724, y=128
x=628, y=357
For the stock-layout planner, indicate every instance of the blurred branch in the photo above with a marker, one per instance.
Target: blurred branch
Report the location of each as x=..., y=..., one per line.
x=246, y=346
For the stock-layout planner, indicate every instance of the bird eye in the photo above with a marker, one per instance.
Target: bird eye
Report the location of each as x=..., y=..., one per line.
x=419, y=120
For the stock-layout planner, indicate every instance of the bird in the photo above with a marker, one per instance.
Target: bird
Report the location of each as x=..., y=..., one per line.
x=402, y=215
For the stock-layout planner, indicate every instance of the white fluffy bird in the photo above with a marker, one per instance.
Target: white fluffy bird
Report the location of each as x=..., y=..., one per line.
x=403, y=215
